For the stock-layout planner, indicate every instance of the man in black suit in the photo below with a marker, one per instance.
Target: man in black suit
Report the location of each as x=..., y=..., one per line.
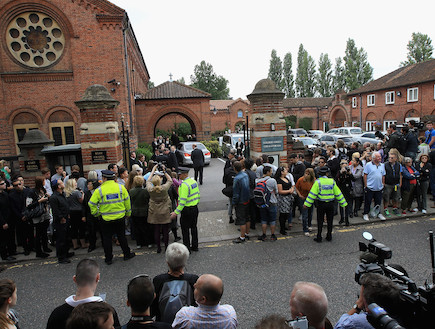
x=197, y=157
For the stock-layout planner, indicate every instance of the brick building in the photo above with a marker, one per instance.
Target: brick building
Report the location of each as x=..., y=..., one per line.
x=52, y=51
x=229, y=114
x=315, y=108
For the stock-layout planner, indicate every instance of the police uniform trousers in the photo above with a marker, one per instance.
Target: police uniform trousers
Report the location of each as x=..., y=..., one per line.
x=322, y=209
x=108, y=229
x=188, y=222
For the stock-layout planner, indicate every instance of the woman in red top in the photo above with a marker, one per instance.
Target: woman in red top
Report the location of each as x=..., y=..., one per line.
x=303, y=187
x=409, y=183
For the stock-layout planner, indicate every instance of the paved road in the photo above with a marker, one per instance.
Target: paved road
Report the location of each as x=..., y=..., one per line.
x=212, y=198
x=258, y=276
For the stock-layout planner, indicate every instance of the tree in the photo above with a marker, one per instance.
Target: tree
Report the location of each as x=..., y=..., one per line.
x=205, y=79
x=324, y=76
x=150, y=84
x=275, y=69
x=305, y=74
x=338, y=79
x=287, y=77
x=357, y=70
x=182, y=81
x=420, y=49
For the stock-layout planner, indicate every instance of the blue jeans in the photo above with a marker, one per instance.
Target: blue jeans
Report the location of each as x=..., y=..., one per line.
x=369, y=195
x=268, y=215
x=307, y=215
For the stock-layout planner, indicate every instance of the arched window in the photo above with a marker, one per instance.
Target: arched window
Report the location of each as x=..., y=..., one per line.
x=239, y=114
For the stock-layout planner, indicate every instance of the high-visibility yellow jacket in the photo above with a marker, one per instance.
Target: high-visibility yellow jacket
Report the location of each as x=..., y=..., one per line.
x=188, y=194
x=111, y=201
x=325, y=189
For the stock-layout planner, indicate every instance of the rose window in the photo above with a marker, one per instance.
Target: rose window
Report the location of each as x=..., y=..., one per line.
x=35, y=39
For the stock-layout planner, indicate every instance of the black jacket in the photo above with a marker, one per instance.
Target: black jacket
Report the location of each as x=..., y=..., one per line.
x=59, y=206
x=172, y=161
x=5, y=210
x=197, y=157
x=392, y=177
x=297, y=170
x=18, y=202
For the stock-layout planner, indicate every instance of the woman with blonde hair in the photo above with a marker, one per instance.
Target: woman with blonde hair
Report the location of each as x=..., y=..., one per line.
x=140, y=199
x=131, y=176
x=8, y=299
x=160, y=205
x=77, y=214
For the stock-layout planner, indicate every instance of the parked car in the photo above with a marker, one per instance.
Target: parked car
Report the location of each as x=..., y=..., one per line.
x=298, y=132
x=350, y=131
x=229, y=142
x=332, y=131
x=185, y=149
x=315, y=133
x=309, y=142
x=332, y=139
x=367, y=137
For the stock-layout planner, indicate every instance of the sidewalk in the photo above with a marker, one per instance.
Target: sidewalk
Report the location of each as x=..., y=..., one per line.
x=213, y=227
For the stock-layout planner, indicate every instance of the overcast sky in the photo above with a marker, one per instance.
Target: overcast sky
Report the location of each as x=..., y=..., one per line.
x=237, y=36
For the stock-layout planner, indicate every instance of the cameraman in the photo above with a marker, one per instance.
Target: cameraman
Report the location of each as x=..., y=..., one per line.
x=375, y=288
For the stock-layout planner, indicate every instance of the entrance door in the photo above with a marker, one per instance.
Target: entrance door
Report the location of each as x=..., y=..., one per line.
x=66, y=160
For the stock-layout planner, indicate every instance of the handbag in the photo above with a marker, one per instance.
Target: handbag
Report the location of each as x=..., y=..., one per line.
x=34, y=212
x=228, y=191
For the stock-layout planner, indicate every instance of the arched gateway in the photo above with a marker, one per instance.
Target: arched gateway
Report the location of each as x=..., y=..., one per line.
x=173, y=97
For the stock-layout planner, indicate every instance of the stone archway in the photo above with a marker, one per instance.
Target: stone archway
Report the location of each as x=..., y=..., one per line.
x=185, y=116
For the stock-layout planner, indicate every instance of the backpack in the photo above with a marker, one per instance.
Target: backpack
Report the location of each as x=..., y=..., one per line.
x=342, y=155
x=174, y=295
x=262, y=194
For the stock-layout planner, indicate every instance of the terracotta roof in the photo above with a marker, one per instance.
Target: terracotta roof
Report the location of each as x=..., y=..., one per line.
x=307, y=102
x=404, y=76
x=224, y=104
x=174, y=89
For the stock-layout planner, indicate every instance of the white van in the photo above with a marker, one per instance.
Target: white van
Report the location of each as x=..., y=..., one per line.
x=229, y=142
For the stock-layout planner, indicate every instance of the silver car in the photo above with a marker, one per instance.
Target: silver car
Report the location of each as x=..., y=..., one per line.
x=185, y=149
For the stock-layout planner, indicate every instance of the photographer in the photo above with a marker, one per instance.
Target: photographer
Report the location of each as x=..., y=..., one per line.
x=344, y=181
x=160, y=206
x=375, y=288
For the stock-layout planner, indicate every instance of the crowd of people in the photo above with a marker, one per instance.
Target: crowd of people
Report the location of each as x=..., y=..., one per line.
x=177, y=299
x=389, y=178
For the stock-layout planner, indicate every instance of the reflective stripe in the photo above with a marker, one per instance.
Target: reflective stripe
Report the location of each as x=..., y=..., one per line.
x=92, y=203
x=113, y=213
x=101, y=192
x=182, y=199
x=308, y=197
x=110, y=202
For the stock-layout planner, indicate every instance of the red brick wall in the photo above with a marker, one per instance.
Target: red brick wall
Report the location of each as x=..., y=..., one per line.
x=94, y=54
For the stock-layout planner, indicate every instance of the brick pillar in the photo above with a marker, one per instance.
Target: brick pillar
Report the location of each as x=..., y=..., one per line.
x=31, y=159
x=267, y=113
x=100, y=129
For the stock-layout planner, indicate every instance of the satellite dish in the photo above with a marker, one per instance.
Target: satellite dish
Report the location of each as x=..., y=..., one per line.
x=367, y=236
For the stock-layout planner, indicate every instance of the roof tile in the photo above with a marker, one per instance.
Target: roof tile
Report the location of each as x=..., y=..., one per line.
x=174, y=89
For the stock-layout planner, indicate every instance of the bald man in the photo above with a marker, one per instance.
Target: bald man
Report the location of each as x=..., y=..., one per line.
x=309, y=299
x=209, y=313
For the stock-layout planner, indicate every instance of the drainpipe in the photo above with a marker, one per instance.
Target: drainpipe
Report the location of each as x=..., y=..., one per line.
x=127, y=74
x=360, y=111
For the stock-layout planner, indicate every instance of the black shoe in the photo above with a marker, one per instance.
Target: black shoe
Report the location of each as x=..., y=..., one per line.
x=347, y=223
x=64, y=261
x=47, y=250
x=318, y=240
x=194, y=249
x=42, y=255
x=130, y=256
x=282, y=232
x=355, y=214
x=108, y=261
x=26, y=253
x=262, y=237
x=231, y=220
x=247, y=237
x=329, y=238
x=159, y=250
x=91, y=248
x=9, y=259
x=177, y=238
x=341, y=222
x=351, y=215
x=239, y=240
x=273, y=237
x=70, y=254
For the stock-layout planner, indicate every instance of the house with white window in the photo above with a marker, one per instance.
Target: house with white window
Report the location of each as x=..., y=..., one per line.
x=404, y=94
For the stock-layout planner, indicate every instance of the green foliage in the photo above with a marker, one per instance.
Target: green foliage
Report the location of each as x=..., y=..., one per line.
x=290, y=121
x=182, y=129
x=145, y=149
x=324, y=76
x=206, y=80
x=150, y=84
x=420, y=49
x=306, y=123
x=182, y=81
x=213, y=147
x=275, y=70
x=305, y=74
x=338, y=79
x=357, y=70
x=218, y=133
x=287, y=76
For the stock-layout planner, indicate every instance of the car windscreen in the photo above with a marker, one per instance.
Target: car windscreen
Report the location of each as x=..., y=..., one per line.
x=308, y=141
x=355, y=131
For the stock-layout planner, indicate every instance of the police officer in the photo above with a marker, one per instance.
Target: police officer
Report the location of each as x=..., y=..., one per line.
x=325, y=190
x=188, y=199
x=111, y=201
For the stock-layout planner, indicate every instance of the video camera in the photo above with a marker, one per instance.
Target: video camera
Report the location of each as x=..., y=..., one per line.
x=418, y=302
